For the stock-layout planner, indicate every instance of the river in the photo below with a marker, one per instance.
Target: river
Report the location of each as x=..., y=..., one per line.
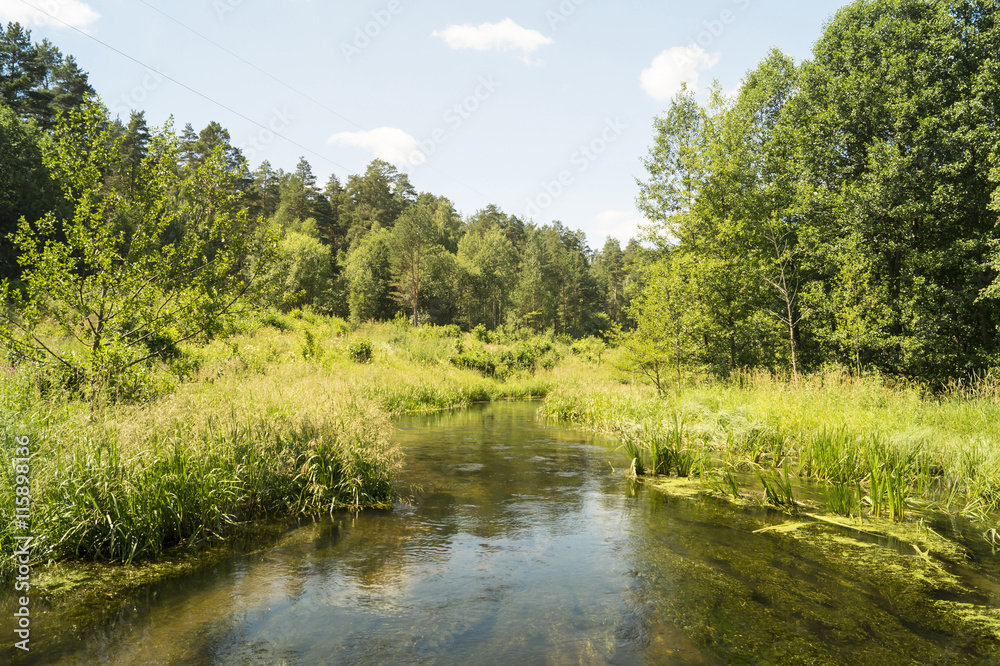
x=520, y=541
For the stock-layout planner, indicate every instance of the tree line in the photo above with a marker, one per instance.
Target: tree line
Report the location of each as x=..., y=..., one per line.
x=839, y=210
x=131, y=239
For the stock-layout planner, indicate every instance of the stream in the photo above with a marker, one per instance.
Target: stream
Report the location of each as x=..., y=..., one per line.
x=520, y=541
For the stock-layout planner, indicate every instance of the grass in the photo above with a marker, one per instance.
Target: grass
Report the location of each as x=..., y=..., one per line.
x=277, y=420
x=879, y=446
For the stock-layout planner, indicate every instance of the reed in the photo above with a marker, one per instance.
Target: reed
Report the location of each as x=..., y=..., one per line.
x=844, y=498
x=661, y=454
x=723, y=481
x=188, y=486
x=633, y=450
x=939, y=448
x=777, y=488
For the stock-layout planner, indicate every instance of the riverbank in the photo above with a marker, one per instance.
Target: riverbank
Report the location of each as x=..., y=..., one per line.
x=289, y=417
x=877, y=449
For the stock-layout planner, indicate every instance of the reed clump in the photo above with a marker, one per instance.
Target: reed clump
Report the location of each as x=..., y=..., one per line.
x=663, y=444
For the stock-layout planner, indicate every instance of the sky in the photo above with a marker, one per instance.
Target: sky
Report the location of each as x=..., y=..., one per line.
x=544, y=108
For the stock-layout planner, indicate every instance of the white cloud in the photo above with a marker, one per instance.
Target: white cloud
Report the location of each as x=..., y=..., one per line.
x=72, y=12
x=681, y=64
x=387, y=143
x=503, y=36
x=620, y=224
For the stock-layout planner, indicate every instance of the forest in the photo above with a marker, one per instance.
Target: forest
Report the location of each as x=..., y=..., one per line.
x=839, y=211
x=369, y=249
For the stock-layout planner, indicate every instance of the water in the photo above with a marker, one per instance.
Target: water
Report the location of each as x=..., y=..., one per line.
x=521, y=544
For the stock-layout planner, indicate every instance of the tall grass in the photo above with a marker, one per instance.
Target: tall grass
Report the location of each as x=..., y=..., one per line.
x=878, y=446
x=127, y=493
x=271, y=421
x=664, y=444
x=777, y=488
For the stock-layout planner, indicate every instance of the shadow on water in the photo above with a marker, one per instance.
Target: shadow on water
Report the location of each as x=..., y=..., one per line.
x=519, y=544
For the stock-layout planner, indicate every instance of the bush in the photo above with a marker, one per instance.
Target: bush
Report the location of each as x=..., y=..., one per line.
x=361, y=351
x=590, y=349
x=482, y=335
x=523, y=356
x=277, y=320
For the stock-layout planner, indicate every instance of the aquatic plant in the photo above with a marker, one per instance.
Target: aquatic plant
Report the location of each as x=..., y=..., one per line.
x=723, y=481
x=661, y=454
x=777, y=488
x=633, y=449
x=844, y=498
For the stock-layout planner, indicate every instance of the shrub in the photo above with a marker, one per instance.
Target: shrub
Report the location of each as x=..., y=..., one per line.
x=523, y=356
x=480, y=333
x=361, y=351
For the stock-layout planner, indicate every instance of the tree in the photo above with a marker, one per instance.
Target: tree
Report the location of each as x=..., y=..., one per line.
x=301, y=274
x=704, y=193
x=104, y=274
x=377, y=198
x=26, y=187
x=414, y=238
x=763, y=147
x=369, y=276
x=895, y=124
x=609, y=272
x=675, y=167
x=533, y=298
x=669, y=322
x=36, y=80
x=489, y=264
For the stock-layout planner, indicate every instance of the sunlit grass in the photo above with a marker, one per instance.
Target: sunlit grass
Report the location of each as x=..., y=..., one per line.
x=278, y=419
x=879, y=446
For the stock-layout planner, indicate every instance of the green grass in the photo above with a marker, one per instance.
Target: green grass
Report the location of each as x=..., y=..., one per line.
x=777, y=488
x=879, y=446
x=278, y=419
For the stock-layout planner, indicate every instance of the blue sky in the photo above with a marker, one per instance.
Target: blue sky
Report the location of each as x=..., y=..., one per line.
x=544, y=108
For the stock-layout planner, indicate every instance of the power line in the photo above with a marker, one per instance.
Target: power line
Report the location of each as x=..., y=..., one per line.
x=290, y=87
x=187, y=87
x=250, y=64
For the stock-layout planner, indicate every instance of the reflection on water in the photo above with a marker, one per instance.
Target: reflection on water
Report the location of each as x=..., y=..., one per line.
x=520, y=544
